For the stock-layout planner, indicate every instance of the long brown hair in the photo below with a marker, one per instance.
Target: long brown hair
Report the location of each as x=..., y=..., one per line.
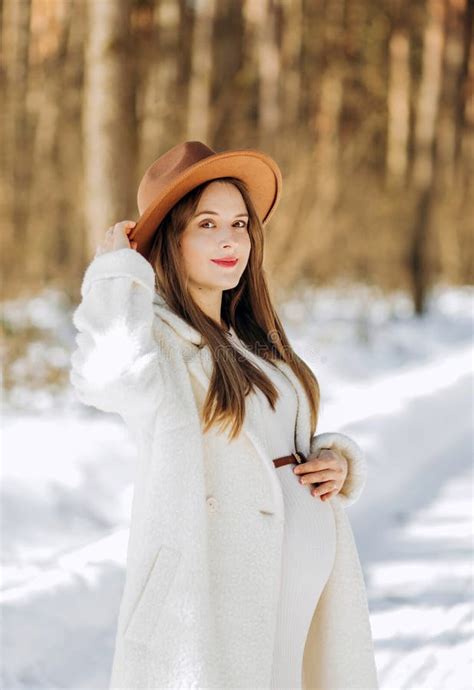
x=247, y=307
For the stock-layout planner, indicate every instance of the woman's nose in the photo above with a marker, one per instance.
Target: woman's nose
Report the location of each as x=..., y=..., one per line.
x=229, y=242
x=230, y=238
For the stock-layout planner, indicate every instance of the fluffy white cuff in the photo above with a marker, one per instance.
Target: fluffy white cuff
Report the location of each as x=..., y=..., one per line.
x=119, y=262
x=356, y=462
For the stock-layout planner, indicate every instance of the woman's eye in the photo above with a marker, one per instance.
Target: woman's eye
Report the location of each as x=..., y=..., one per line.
x=238, y=221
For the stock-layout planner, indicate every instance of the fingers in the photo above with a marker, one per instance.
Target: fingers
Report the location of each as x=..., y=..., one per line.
x=312, y=477
x=312, y=463
x=330, y=494
x=327, y=482
x=125, y=225
x=326, y=459
x=324, y=488
x=335, y=474
x=128, y=228
x=117, y=237
x=322, y=470
x=124, y=228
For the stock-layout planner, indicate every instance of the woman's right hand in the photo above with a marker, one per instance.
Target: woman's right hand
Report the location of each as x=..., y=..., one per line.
x=116, y=237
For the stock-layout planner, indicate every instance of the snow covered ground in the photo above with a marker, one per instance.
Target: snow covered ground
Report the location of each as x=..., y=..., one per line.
x=401, y=386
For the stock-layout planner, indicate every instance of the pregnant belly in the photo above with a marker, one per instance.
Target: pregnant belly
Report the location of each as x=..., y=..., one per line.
x=304, y=512
x=309, y=547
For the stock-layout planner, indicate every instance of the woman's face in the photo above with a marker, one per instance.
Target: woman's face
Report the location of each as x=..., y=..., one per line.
x=218, y=229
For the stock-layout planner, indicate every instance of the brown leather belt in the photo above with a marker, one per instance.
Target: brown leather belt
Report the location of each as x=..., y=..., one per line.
x=295, y=458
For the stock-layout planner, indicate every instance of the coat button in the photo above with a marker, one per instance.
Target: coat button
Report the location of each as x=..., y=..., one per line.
x=267, y=511
x=212, y=503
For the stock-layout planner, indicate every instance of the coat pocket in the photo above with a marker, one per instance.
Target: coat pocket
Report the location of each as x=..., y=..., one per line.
x=145, y=616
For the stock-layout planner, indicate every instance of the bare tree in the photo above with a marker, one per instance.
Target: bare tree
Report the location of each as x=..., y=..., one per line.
x=15, y=131
x=108, y=118
x=199, y=104
x=158, y=98
x=427, y=108
x=318, y=173
x=398, y=126
x=291, y=53
x=261, y=19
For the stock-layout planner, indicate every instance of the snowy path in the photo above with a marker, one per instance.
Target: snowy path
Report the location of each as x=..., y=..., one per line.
x=421, y=585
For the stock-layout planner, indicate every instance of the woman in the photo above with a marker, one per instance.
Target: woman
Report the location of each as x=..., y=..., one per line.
x=242, y=571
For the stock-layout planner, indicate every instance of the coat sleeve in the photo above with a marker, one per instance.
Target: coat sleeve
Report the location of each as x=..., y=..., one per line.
x=117, y=363
x=356, y=463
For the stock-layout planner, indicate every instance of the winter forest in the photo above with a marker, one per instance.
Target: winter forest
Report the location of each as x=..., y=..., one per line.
x=368, y=108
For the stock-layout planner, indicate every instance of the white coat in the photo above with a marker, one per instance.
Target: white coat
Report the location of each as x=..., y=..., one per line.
x=201, y=590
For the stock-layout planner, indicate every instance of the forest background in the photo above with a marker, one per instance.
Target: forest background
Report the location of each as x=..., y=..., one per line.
x=367, y=106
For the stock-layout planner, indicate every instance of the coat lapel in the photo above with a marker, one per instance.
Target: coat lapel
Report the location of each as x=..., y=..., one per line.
x=199, y=363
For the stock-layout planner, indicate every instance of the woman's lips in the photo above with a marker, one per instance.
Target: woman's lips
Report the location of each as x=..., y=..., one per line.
x=224, y=263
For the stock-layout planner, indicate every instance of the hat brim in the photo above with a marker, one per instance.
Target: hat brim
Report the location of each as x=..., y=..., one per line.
x=259, y=171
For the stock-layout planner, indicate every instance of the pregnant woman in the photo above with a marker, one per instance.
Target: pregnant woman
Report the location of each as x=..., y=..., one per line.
x=242, y=570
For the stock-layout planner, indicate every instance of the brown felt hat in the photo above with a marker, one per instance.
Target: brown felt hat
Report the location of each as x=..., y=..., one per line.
x=189, y=164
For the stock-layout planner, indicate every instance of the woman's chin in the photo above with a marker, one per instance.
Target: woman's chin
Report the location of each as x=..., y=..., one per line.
x=225, y=282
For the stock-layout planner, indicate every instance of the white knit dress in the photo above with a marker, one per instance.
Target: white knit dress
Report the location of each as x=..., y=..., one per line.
x=309, y=542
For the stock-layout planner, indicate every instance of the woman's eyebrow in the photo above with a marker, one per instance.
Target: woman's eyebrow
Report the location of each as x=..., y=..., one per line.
x=214, y=213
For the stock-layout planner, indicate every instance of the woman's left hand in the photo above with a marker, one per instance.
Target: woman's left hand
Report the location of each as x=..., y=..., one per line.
x=328, y=468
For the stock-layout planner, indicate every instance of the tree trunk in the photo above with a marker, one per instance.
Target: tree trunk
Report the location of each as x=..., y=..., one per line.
x=398, y=110
x=291, y=52
x=158, y=116
x=423, y=173
x=199, y=122
x=108, y=120
x=322, y=179
x=16, y=176
x=261, y=16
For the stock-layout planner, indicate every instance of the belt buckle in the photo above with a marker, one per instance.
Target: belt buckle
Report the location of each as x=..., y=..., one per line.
x=298, y=458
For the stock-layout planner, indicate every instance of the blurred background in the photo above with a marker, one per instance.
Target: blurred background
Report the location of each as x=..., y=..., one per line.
x=368, y=108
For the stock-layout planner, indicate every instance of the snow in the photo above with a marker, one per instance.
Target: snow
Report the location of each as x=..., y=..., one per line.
x=400, y=385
